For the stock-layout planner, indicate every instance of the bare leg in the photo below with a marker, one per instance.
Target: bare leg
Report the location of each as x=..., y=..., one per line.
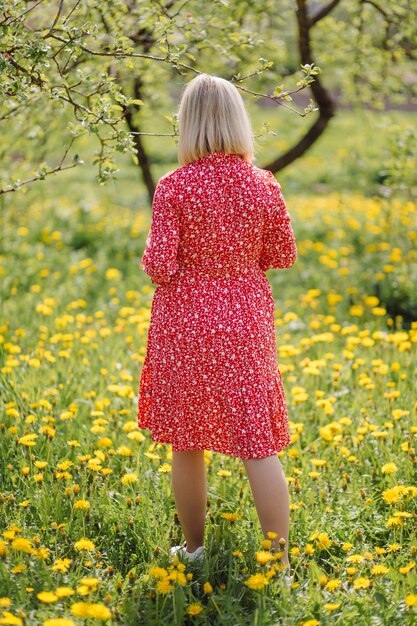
x=189, y=485
x=270, y=493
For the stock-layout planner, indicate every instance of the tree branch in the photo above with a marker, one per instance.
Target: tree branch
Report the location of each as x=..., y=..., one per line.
x=323, y=99
x=59, y=168
x=321, y=13
x=61, y=4
x=378, y=8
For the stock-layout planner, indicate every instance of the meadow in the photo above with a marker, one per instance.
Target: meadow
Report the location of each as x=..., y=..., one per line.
x=87, y=514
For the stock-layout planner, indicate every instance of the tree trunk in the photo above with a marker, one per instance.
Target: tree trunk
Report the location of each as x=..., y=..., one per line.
x=144, y=162
x=326, y=105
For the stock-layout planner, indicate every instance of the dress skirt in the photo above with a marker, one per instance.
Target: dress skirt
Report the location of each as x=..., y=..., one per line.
x=210, y=379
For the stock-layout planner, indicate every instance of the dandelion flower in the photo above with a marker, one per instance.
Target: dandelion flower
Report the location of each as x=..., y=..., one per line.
x=84, y=544
x=379, y=570
x=22, y=545
x=48, y=597
x=158, y=572
x=81, y=504
x=5, y=603
x=256, y=581
x=90, y=581
x=64, y=592
x=87, y=609
x=361, y=583
x=9, y=618
x=263, y=556
x=128, y=479
x=194, y=609
x=164, y=586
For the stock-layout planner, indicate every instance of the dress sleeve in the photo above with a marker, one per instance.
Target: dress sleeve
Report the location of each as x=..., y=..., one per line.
x=279, y=248
x=160, y=256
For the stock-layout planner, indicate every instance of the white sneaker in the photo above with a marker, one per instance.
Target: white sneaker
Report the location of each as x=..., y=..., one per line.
x=289, y=580
x=182, y=552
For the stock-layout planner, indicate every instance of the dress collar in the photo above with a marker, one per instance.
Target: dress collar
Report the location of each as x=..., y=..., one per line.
x=217, y=155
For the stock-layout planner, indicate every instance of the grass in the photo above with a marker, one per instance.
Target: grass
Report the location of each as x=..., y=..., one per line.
x=87, y=512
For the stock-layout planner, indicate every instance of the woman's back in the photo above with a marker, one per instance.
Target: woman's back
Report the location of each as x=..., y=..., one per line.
x=222, y=216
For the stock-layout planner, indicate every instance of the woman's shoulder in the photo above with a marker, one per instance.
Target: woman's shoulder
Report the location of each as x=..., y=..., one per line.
x=266, y=179
x=265, y=175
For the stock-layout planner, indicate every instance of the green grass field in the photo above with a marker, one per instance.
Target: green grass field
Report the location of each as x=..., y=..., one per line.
x=87, y=515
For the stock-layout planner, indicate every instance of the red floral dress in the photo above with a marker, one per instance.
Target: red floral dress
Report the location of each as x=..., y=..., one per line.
x=210, y=379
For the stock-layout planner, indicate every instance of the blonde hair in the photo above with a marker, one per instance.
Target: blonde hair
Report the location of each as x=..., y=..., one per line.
x=212, y=118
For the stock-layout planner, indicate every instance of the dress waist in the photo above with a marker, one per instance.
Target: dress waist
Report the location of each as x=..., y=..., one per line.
x=218, y=272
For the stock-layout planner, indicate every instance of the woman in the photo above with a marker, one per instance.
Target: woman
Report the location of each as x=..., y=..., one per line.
x=210, y=378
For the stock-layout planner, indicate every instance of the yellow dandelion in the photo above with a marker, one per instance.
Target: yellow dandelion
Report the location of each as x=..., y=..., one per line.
x=194, y=609
x=130, y=478
x=42, y=553
x=323, y=541
x=22, y=545
x=263, y=556
x=224, y=473
x=379, y=570
x=371, y=301
x=81, y=504
x=61, y=565
x=178, y=577
x=164, y=586
x=48, y=597
x=59, y=621
x=355, y=558
x=331, y=585
x=5, y=602
x=9, y=618
x=28, y=440
x=64, y=592
x=256, y=581
x=407, y=568
x=238, y=554
x=158, y=572
x=392, y=496
x=230, y=517
x=87, y=609
x=332, y=606
x=411, y=599
x=84, y=544
x=112, y=273
x=207, y=588
x=90, y=581
x=361, y=583
x=389, y=468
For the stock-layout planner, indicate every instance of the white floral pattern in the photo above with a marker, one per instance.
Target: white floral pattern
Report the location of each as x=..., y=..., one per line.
x=210, y=379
